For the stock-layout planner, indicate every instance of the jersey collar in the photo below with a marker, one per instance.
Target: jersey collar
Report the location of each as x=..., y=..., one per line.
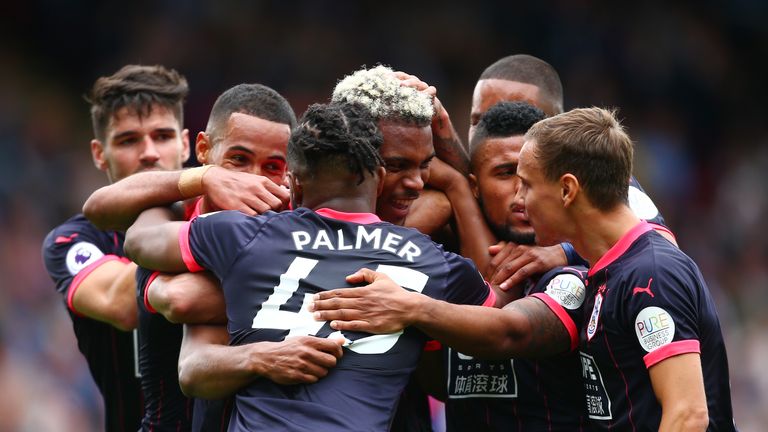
x=620, y=247
x=361, y=218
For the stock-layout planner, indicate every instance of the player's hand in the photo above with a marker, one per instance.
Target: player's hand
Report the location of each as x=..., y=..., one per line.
x=297, y=360
x=513, y=263
x=381, y=307
x=249, y=193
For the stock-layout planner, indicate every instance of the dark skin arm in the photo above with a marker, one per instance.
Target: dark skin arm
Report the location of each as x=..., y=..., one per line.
x=189, y=298
x=153, y=242
x=523, y=328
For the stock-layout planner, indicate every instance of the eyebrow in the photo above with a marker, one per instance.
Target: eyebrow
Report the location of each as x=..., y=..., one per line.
x=133, y=132
x=505, y=166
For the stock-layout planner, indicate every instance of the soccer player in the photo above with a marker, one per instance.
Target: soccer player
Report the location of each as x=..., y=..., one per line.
x=335, y=176
x=649, y=338
x=247, y=132
x=137, y=122
x=514, y=394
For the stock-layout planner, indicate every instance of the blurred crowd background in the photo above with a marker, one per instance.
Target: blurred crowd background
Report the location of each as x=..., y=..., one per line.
x=689, y=81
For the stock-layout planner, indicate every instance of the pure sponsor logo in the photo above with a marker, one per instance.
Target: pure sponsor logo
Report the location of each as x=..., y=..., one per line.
x=567, y=289
x=641, y=204
x=654, y=328
x=595, y=317
x=80, y=255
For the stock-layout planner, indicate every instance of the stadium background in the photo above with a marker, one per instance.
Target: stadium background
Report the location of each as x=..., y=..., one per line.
x=690, y=82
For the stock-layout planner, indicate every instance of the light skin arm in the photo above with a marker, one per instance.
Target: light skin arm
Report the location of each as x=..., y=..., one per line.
x=153, y=242
x=189, y=298
x=448, y=146
x=523, y=328
x=679, y=387
x=108, y=294
x=210, y=369
x=116, y=206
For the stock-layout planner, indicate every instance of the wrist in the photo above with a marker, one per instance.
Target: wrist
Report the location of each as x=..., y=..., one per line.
x=191, y=181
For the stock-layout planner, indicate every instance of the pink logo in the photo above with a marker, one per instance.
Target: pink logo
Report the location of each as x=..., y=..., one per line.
x=646, y=289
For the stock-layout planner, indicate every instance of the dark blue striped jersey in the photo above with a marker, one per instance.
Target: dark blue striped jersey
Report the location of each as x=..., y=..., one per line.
x=165, y=406
x=522, y=394
x=71, y=252
x=271, y=265
x=647, y=302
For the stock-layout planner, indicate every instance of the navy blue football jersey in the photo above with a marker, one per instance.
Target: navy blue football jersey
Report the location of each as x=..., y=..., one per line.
x=271, y=265
x=522, y=394
x=165, y=406
x=71, y=252
x=646, y=302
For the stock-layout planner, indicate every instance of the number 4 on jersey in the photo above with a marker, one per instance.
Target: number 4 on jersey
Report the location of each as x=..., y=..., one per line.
x=303, y=323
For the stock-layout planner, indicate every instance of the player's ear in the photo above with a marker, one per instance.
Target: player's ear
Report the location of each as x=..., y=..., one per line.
x=473, y=186
x=569, y=188
x=296, y=188
x=184, y=145
x=97, y=152
x=381, y=172
x=203, y=147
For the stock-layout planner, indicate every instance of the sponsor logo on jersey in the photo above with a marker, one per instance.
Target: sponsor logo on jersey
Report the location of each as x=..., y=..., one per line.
x=641, y=204
x=654, y=328
x=80, y=255
x=598, y=402
x=474, y=378
x=566, y=289
x=595, y=317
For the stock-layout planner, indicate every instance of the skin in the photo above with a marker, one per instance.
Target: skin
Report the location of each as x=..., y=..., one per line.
x=407, y=152
x=133, y=144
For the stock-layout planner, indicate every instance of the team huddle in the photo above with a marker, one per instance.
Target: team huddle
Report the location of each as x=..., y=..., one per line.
x=328, y=273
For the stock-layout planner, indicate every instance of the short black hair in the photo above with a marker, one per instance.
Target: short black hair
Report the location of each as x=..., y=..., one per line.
x=504, y=119
x=528, y=69
x=137, y=88
x=252, y=99
x=333, y=136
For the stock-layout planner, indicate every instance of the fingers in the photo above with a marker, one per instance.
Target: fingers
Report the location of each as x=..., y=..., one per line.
x=495, y=249
x=517, y=277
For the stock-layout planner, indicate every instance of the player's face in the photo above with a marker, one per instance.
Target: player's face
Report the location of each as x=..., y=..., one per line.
x=250, y=144
x=407, y=152
x=495, y=184
x=541, y=198
x=489, y=92
x=133, y=143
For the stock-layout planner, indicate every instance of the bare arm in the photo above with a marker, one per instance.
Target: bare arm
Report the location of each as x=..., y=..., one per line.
x=153, y=243
x=210, y=369
x=108, y=294
x=514, y=263
x=189, y=298
x=430, y=212
x=679, y=386
x=116, y=206
x=524, y=328
x=448, y=146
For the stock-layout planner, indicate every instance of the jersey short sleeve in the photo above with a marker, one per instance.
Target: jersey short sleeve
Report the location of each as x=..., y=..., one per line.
x=563, y=290
x=73, y=250
x=213, y=241
x=144, y=278
x=661, y=312
x=465, y=284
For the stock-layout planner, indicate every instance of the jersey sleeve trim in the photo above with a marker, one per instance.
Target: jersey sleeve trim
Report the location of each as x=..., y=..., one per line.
x=671, y=350
x=562, y=315
x=490, y=301
x=82, y=274
x=147, y=305
x=186, y=251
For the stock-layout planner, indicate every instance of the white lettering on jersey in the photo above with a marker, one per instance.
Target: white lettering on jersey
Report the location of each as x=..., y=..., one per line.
x=654, y=328
x=363, y=239
x=80, y=255
x=567, y=289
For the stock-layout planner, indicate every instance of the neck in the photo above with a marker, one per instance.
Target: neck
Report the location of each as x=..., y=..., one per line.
x=597, y=231
x=342, y=204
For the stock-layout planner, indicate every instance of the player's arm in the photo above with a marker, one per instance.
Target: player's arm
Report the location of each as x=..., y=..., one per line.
x=523, y=328
x=430, y=212
x=189, y=298
x=153, y=242
x=514, y=263
x=116, y=206
x=679, y=387
x=448, y=146
x=211, y=369
x=108, y=294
